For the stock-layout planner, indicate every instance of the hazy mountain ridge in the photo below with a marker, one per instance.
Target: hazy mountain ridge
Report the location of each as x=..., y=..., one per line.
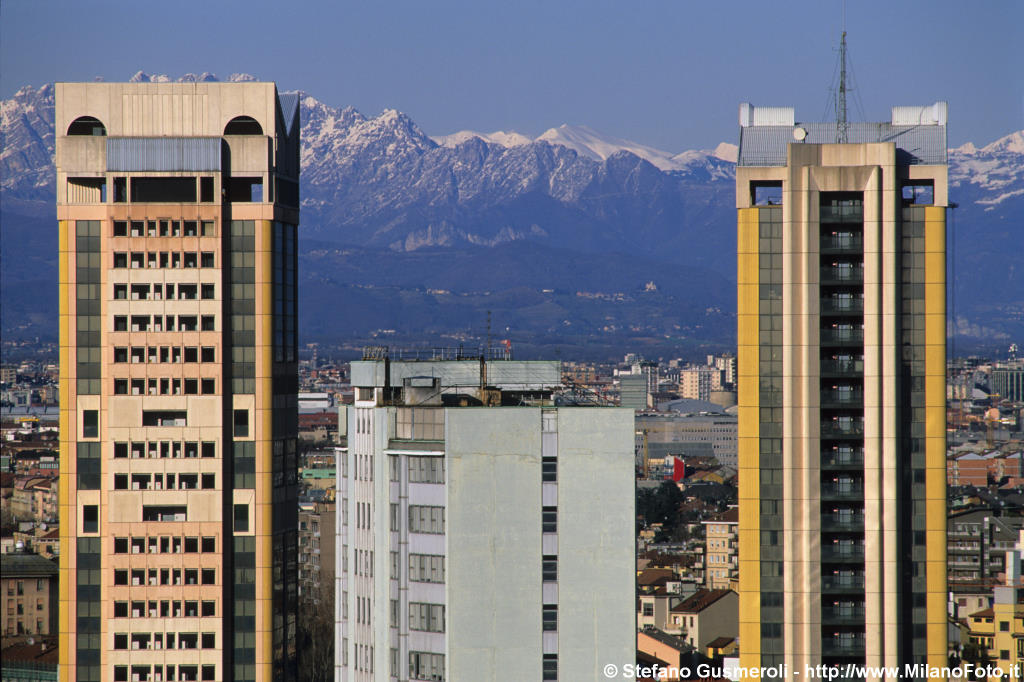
x=380, y=182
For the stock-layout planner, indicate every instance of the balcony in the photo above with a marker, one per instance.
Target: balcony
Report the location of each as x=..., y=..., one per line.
x=842, y=552
x=842, y=274
x=843, y=459
x=842, y=646
x=846, y=336
x=841, y=214
x=838, y=492
x=842, y=615
x=842, y=583
x=842, y=367
x=842, y=428
x=841, y=243
x=842, y=523
x=842, y=398
x=842, y=305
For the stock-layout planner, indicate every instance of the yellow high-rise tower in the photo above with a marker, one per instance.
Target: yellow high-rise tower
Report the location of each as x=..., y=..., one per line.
x=177, y=206
x=842, y=328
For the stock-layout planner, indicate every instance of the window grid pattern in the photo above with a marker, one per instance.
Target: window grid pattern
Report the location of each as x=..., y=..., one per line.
x=912, y=440
x=770, y=424
x=88, y=306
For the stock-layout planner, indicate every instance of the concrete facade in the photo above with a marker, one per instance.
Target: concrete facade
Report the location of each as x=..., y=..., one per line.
x=177, y=206
x=483, y=533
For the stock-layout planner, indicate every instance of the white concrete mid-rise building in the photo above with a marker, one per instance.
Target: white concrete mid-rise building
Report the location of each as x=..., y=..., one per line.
x=483, y=533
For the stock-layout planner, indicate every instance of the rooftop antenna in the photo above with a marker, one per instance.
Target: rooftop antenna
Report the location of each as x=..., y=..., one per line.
x=842, y=125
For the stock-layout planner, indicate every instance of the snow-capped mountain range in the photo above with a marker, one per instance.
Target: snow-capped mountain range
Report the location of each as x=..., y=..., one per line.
x=592, y=144
x=380, y=182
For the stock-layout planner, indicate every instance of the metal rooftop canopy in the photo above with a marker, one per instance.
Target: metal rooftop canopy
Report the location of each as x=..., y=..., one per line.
x=919, y=133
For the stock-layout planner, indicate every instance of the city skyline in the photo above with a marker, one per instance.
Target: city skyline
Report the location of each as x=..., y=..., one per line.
x=624, y=72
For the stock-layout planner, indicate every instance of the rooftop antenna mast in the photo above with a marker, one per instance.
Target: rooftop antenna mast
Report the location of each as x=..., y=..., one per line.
x=842, y=125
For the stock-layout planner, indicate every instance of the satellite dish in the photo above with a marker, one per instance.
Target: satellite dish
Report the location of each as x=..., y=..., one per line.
x=799, y=134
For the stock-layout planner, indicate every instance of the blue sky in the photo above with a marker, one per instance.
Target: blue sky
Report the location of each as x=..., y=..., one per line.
x=667, y=73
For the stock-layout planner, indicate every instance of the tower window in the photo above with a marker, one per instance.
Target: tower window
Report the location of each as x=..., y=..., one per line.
x=241, y=518
x=243, y=125
x=918, y=192
x=87, y=125
x=766, y=193
x=241, y=423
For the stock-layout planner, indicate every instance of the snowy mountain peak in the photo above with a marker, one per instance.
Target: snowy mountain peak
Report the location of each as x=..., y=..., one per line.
x=204, y=77
x=1013, y=143
x=588, y=142
x=498, y=137
x=726, y=151
x=143, y=77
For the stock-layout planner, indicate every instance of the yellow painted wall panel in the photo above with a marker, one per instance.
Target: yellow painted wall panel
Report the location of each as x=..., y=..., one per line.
x=935, y=266
x=935, y=214
x=746, y=303
x=935, y=422
x=748, y=220
x=747, y=453
x=748, y=426
x=936, y=578
x=747, y=239
x=935, y=391
x=934, y=357
x=935, y=451
x=935, y=486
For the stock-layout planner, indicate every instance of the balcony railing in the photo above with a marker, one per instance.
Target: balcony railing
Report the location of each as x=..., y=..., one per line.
x=831, y=459
x=842, y=275
x=842, y=646
x=842, y=583
x=842, y=368
x=837, y=242
x=841, y=398
x=841, y=553
x=842, y=428
x=842, y=615
x=851, y=491
x=842, y=337
x=843, y=523
x=841, y=306
x=841, y=214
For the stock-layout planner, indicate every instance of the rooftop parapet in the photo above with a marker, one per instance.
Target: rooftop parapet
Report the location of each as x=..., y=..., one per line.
x=919, y=133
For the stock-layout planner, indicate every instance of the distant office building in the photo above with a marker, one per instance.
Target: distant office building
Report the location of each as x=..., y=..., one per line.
x=483, y=534
x=1008, y=383
x=177, y=209
x=689, y=435
x=633, y=391
x=842, y=442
